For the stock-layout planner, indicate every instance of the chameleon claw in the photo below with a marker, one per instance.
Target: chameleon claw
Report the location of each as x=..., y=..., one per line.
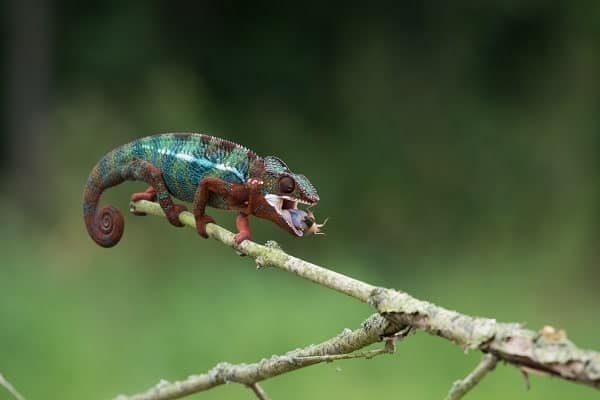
x=201, y=224
x=148, y=195
x=243, y=225
x=241, y=236
x=173, y=214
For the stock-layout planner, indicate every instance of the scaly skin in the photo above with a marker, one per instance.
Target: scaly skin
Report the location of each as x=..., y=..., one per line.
x=203, y=170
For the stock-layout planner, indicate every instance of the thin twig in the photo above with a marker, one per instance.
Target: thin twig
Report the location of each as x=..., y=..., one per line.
x=335, y=357
x=463, y=386
x=537, y=351
x=11, y=389
x=371, y=331
x=258, y=391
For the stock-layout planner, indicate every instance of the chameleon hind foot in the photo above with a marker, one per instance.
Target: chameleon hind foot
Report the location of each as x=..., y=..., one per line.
x=173, y=214
x=201, y=222
x=148, y=195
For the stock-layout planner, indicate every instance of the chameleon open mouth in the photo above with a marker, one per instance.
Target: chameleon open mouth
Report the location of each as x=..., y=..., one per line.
x=287, y=207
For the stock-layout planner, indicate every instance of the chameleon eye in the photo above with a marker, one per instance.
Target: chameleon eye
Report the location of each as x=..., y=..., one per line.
x=286, y=185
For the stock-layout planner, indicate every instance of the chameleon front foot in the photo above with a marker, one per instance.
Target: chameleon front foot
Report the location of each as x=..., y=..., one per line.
x=201, y=222
x=243, y=225
x=241, y=236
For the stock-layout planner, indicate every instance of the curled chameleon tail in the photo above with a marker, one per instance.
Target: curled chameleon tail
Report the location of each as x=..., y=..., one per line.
x=106, y=225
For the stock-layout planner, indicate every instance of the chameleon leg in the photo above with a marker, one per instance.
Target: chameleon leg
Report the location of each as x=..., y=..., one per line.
x=144, y=171
x=149, y=195
x=242, y=221
x=234, y=193
x=243, y=225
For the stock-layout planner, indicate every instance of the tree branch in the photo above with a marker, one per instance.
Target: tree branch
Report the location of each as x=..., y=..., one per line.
x=371, y=331
x=462, y=387
x=541, y=352
x=258, y=391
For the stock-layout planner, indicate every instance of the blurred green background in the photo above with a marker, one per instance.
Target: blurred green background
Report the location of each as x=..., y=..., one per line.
x=455, y=147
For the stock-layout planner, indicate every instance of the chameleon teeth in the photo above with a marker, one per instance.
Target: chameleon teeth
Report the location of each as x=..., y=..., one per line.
x=295, y=200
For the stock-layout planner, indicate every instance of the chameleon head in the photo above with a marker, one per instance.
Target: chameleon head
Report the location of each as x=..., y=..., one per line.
x=283, y=190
